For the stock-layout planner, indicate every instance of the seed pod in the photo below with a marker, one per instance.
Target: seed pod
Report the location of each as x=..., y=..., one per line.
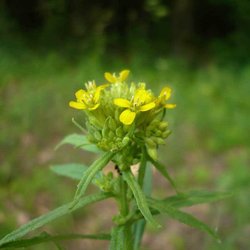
x=163, y=125
x=150, y=142
x=166, y=134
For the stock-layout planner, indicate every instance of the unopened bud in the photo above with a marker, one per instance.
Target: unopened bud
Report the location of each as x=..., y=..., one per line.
x=112, y=124
x=158, y=133
x=119, y=132
x=95, y=122
x=163, y=125
x=160, y=141
x=166, y=134
x=97, y=135
x=150, y=142
x=152, y=153
x=111, y=134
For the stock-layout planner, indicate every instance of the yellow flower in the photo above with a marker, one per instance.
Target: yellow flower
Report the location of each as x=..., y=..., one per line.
x=163, y=97
x=136, y=104
x=88, y=99
x=114, y=79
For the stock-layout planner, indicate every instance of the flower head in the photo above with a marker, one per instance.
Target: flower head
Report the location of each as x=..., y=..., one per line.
x=163, y=97
x=137, y=103
x=88, y=99
x=114, y=79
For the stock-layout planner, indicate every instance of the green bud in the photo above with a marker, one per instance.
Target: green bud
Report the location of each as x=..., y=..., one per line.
x=150, y=127
x=92, y=139
x=150, y=142
x=95, y=122
x=155, y=122
x=123, y=167
x=126, y=151
x=98, y=135
x=103, y=147
x=158, y=133
x=119, y=144
x=152, y=153
x=148, y=133
x=112, y=124
x=112, y=134
x=125, y=140
x=160, y=141
x=154, y=138
x=118, y=139
x=119, y=132
x=163, y=125
x=166, y=134
x=126, y=128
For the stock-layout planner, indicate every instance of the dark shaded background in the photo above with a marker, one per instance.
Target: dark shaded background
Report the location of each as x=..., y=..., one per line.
x=201, y=49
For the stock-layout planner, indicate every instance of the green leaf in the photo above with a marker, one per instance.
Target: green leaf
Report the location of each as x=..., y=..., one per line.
x=139, y=196
x=42, y=220
x=72, y=170
x=44, y=237
x=180, y=216
x=77, y=140
x=91, y=172
x=121, y=238
x=196, y=197
x=161, y=168
x=139, y=226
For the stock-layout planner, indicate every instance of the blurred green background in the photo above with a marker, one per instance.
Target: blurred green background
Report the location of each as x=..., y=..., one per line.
x=201, y=49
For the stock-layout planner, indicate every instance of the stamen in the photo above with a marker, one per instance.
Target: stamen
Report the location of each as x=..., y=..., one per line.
x=132, y=99
x=86, y=85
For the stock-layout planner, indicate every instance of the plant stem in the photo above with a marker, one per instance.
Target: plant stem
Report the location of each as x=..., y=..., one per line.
x=123, y=196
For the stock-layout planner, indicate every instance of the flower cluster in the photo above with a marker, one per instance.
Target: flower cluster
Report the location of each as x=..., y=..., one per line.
x=113, y=113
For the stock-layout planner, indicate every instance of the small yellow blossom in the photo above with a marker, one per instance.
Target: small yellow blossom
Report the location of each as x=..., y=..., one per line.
x=114, y=79
x=136, y=104
x=88, y=99
x=163, y=97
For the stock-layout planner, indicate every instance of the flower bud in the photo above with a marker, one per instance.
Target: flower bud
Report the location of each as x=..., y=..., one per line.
x=112, y=124
x=158, y=133
x=110, y=176
x=125, y=141
x=95, y=122
x=166, y=134
x=155, y=122
x=135, y=161
x=119, y=132
x=153, y=153
x=160, y=141
x=111, y=134
x=97, y=135
x=150, y=142
x=163, y=125
x=154, y=139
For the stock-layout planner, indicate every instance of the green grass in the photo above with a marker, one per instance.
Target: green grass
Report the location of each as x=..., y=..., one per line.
x=209, y=146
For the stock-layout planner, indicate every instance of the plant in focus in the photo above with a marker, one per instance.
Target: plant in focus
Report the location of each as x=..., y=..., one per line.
x=124, y=125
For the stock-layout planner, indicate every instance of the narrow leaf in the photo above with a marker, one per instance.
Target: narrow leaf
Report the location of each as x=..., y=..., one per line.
x=161, y=168
x=139, y=196
x=72, y=170
x=88, y=176
x=77, y=140
x=42, y=238
x=180, y=216
x=121, y=238
x=42, y=220
x=139, y=226
x=196, y=197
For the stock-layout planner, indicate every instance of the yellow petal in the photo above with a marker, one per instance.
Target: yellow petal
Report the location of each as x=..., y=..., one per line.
x=149, y=98
x=127, y=116
x=147, y=107
x=98, y=91
x=95, y=107
x=165, y=91
x=140, y=95
x=77, y=105
x=122, y=103
x=109, y=77
x=123, y=75
x=80, y=94
x=170, y=106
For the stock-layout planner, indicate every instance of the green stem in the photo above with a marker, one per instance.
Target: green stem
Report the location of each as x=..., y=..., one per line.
x=123, y=196
x=142, y=168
